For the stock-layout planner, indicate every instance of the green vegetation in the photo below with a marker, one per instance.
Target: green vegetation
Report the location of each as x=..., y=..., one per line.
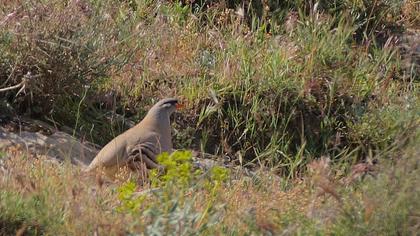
x=57, y=199
x=286, y=85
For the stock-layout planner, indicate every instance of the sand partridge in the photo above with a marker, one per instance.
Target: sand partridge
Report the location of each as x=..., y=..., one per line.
x=141, y=143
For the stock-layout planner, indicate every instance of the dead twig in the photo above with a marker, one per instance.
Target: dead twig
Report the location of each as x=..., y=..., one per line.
x=22, y=85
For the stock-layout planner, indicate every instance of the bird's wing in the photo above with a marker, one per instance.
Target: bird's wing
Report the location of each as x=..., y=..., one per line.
x=144, y=152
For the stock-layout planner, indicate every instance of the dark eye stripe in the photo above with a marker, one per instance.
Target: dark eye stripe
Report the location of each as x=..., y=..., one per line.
x=171, y=103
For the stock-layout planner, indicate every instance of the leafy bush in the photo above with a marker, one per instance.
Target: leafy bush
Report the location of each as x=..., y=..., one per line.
x=169, y=205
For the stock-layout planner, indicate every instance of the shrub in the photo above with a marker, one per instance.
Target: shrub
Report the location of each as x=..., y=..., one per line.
x=169, y=205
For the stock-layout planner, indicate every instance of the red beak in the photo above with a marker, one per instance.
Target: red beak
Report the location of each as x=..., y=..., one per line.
x=179, y=106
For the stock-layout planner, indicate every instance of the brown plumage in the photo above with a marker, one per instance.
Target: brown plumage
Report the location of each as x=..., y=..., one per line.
x=142, y=142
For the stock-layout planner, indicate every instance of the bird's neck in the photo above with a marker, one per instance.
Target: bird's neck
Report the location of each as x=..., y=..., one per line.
x=159, y=122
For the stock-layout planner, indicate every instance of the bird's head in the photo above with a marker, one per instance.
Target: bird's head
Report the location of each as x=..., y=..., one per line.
x=165, y=107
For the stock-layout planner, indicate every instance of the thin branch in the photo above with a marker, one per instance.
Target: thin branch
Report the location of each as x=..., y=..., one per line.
x=14, y=86
x=22, y=85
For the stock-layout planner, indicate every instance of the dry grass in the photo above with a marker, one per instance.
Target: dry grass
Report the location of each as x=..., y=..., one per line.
x=40, y=196
x=69, y=203
x=272, y=84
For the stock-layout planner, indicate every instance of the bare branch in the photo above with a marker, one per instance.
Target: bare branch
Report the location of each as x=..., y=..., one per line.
x=13, y=87
x=22, y=85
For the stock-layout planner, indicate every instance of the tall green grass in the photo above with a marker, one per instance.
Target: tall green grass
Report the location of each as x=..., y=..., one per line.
x=255, y=92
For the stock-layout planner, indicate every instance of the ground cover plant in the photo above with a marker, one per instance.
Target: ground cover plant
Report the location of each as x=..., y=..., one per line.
x=319, y=100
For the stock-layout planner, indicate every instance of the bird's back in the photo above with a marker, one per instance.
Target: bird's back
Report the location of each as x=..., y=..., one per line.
x=111, y=154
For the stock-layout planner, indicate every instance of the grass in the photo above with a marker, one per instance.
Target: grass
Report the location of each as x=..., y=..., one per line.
x=44, y=197
x=284, y=86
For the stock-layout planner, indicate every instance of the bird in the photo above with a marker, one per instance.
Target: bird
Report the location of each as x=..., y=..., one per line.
x=141, y=143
